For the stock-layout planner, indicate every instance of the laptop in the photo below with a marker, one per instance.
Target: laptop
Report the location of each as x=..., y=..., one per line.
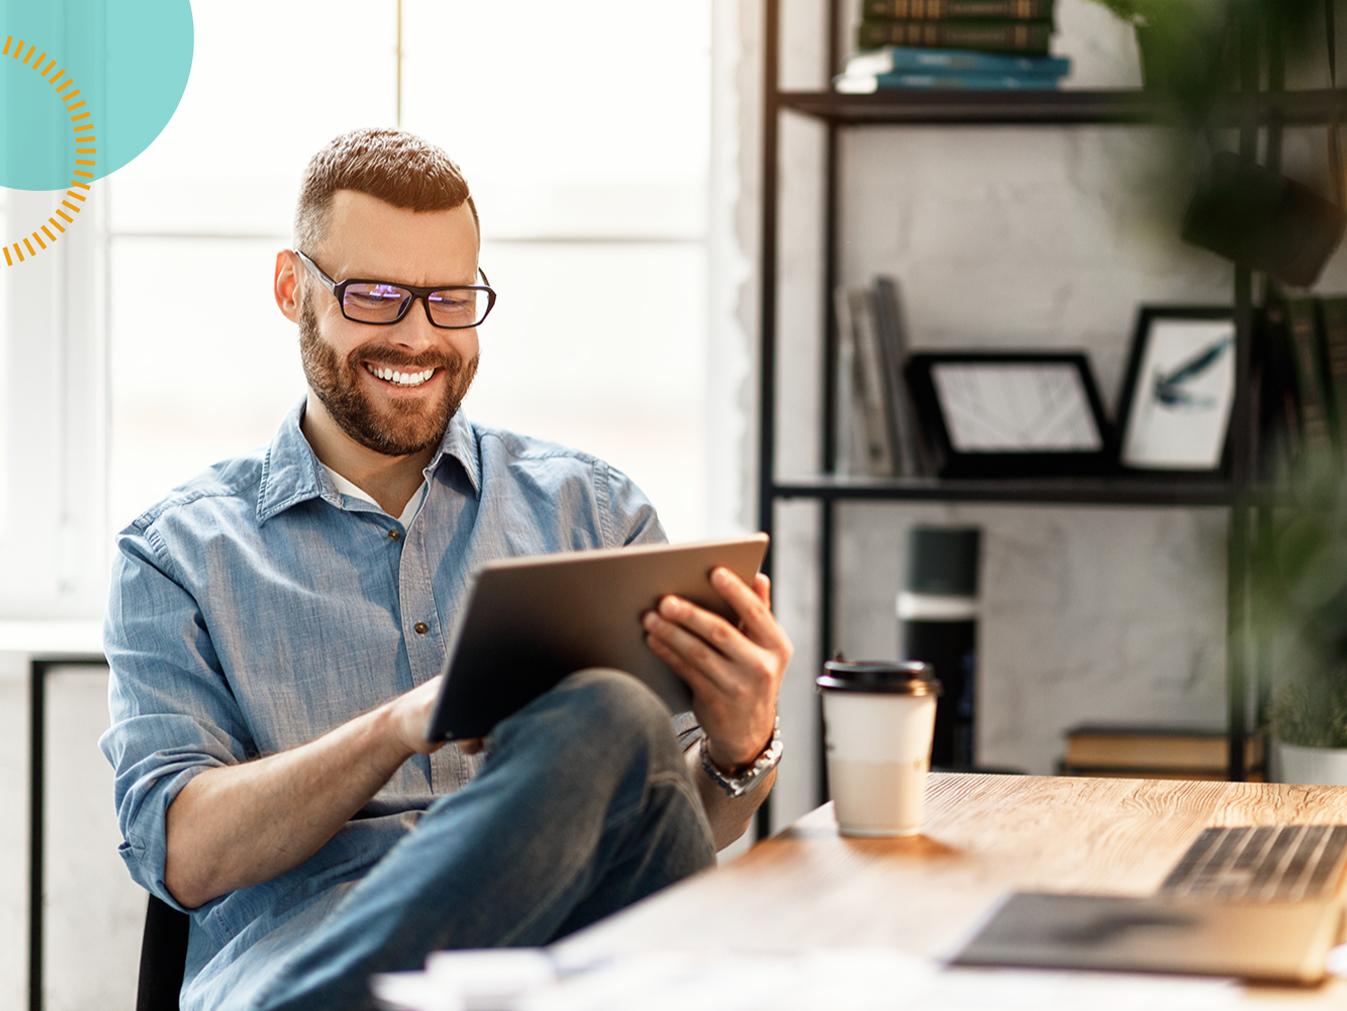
x=1252, y=902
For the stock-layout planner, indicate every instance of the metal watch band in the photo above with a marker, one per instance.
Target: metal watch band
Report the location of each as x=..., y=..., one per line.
x=737, y=786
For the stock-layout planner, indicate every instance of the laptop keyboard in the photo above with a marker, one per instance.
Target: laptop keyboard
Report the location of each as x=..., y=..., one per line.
x=1281, y=863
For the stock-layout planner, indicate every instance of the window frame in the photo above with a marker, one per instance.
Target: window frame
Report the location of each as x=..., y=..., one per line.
x=52, y=534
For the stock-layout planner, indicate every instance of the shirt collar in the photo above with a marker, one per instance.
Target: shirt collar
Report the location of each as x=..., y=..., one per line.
x=461, y=443
x=291, y=473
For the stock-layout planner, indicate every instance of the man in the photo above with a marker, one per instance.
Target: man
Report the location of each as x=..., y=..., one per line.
x=276, y=626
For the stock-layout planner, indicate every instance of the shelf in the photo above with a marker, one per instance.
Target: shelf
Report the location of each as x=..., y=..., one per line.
x=1096, y=491
x=1065, y=107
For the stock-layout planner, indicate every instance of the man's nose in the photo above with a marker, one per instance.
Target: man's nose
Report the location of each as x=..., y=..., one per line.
x=415, y=328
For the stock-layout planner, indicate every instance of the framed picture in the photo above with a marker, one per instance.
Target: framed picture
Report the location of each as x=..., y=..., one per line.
x=1178, y=391
x=1011, y=414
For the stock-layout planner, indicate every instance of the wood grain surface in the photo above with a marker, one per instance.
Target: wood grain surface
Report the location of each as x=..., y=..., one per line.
x=982, y=836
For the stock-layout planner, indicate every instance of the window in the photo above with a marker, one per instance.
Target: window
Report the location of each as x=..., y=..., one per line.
x=49, y=554
x=587, y=147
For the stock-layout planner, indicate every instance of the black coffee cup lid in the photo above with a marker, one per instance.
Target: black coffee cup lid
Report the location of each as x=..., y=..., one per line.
x=908, y=677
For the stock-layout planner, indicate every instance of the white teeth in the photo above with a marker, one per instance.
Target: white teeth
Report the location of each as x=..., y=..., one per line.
x=401, y=378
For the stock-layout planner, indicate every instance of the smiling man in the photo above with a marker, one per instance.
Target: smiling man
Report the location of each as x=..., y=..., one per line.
x=275, y=630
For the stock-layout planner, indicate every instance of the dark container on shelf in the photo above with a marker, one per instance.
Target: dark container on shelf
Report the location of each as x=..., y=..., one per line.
x=937, y=624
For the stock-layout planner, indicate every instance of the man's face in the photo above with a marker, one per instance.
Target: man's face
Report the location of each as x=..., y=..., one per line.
x=368, y=238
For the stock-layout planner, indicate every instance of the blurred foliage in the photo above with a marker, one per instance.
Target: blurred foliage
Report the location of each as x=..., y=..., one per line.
x=1190, y=48
x=1300, y=604
x=1191, y=61
x=1191, y=58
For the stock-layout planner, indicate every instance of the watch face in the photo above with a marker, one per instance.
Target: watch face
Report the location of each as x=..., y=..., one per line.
x=737, y=786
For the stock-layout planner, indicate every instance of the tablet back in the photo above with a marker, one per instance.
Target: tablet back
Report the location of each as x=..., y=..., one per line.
x=531, y=621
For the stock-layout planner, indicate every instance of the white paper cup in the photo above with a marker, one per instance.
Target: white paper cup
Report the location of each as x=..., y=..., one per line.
x=878, y=720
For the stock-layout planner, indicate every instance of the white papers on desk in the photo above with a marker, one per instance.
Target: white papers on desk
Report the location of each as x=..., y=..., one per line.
x=856, y=980
x=969, y=989
x=863, y=979
x=467, y=980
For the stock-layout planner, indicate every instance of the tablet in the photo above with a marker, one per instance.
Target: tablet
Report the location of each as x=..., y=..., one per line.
x=531, y=621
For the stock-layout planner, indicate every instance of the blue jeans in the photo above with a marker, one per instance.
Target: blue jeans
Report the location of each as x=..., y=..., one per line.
x=583, y=806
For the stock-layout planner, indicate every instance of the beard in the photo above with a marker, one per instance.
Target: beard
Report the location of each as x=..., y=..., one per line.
x=395, y=427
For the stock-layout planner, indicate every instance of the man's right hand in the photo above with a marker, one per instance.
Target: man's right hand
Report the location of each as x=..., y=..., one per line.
x=237, y=825
x=410, y=715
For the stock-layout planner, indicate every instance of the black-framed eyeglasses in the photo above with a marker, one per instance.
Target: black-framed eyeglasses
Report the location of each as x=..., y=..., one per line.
x=383, y=303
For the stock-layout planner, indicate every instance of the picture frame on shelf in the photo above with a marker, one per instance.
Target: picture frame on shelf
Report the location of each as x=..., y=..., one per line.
x=1178, y=391
x=1011, y=413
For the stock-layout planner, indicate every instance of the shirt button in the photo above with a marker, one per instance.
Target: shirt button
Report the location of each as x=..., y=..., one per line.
x=393, y=535
x=421, y=628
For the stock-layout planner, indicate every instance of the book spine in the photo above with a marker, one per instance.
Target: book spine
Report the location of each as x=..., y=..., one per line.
x=884, y=301
x=952, y=10
x=1163, y=752
x=896, y=59
x=869, y=376
x=1305, y=347
x=985, y=36
x=913, y=451
x=851, y=450
x=964, y=82
x=1333, y=327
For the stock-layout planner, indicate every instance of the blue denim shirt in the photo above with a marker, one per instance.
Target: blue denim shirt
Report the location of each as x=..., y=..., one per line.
x=256, y=608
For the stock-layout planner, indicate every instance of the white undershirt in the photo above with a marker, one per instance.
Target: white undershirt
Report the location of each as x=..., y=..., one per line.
x=355, y=491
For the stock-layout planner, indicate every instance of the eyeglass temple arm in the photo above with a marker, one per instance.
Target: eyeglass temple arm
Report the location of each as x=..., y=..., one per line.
x=328, y=282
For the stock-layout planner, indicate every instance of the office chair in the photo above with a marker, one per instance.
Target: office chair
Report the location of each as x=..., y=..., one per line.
x=163, y=957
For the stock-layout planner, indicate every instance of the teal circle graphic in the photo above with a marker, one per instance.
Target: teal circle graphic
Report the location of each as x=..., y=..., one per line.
x=130, y=62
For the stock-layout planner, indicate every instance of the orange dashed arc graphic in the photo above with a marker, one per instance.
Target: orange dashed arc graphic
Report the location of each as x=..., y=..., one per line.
x=82, y=128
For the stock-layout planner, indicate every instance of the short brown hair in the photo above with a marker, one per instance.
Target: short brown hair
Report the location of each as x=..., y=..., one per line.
x=397, y=167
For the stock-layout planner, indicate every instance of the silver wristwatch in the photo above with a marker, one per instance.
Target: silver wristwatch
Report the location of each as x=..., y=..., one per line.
x=737, y=786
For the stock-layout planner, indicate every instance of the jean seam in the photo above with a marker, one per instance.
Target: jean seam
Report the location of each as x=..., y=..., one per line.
x=675, y=779
x=611, y=824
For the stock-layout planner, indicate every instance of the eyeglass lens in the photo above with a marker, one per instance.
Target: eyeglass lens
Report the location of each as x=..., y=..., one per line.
x=384, y=303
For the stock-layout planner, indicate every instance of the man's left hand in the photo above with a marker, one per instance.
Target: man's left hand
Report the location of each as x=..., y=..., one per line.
x=734, y=672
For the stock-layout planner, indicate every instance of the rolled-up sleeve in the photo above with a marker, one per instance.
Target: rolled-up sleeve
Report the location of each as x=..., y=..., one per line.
x=173, y=715
x=632, y=517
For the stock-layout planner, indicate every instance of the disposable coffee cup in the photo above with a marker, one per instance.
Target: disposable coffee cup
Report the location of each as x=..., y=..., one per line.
x=878, y=720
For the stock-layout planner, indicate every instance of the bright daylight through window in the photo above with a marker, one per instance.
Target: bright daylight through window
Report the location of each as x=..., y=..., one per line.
x=588, y=164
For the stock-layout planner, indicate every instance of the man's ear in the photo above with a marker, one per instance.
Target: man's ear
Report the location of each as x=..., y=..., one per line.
x=286, y=286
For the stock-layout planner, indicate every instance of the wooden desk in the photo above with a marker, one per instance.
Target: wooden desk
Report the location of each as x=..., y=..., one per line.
x=983, y=835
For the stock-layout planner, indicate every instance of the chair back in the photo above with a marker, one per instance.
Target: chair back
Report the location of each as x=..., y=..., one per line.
x=163, y=957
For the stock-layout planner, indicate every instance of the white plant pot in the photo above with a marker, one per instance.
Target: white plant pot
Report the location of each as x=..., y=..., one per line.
x=1319, y=766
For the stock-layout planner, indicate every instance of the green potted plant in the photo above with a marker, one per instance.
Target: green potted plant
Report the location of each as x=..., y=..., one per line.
x=1300, y=611
x=1182, y=44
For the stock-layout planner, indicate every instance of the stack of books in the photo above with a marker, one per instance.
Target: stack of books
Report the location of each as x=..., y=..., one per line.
x=987, y=45
x=878, y=434
x=1155, y=752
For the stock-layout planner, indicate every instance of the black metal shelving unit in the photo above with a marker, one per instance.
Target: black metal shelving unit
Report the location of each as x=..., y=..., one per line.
x=1076, y=107
x=1252, y=110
